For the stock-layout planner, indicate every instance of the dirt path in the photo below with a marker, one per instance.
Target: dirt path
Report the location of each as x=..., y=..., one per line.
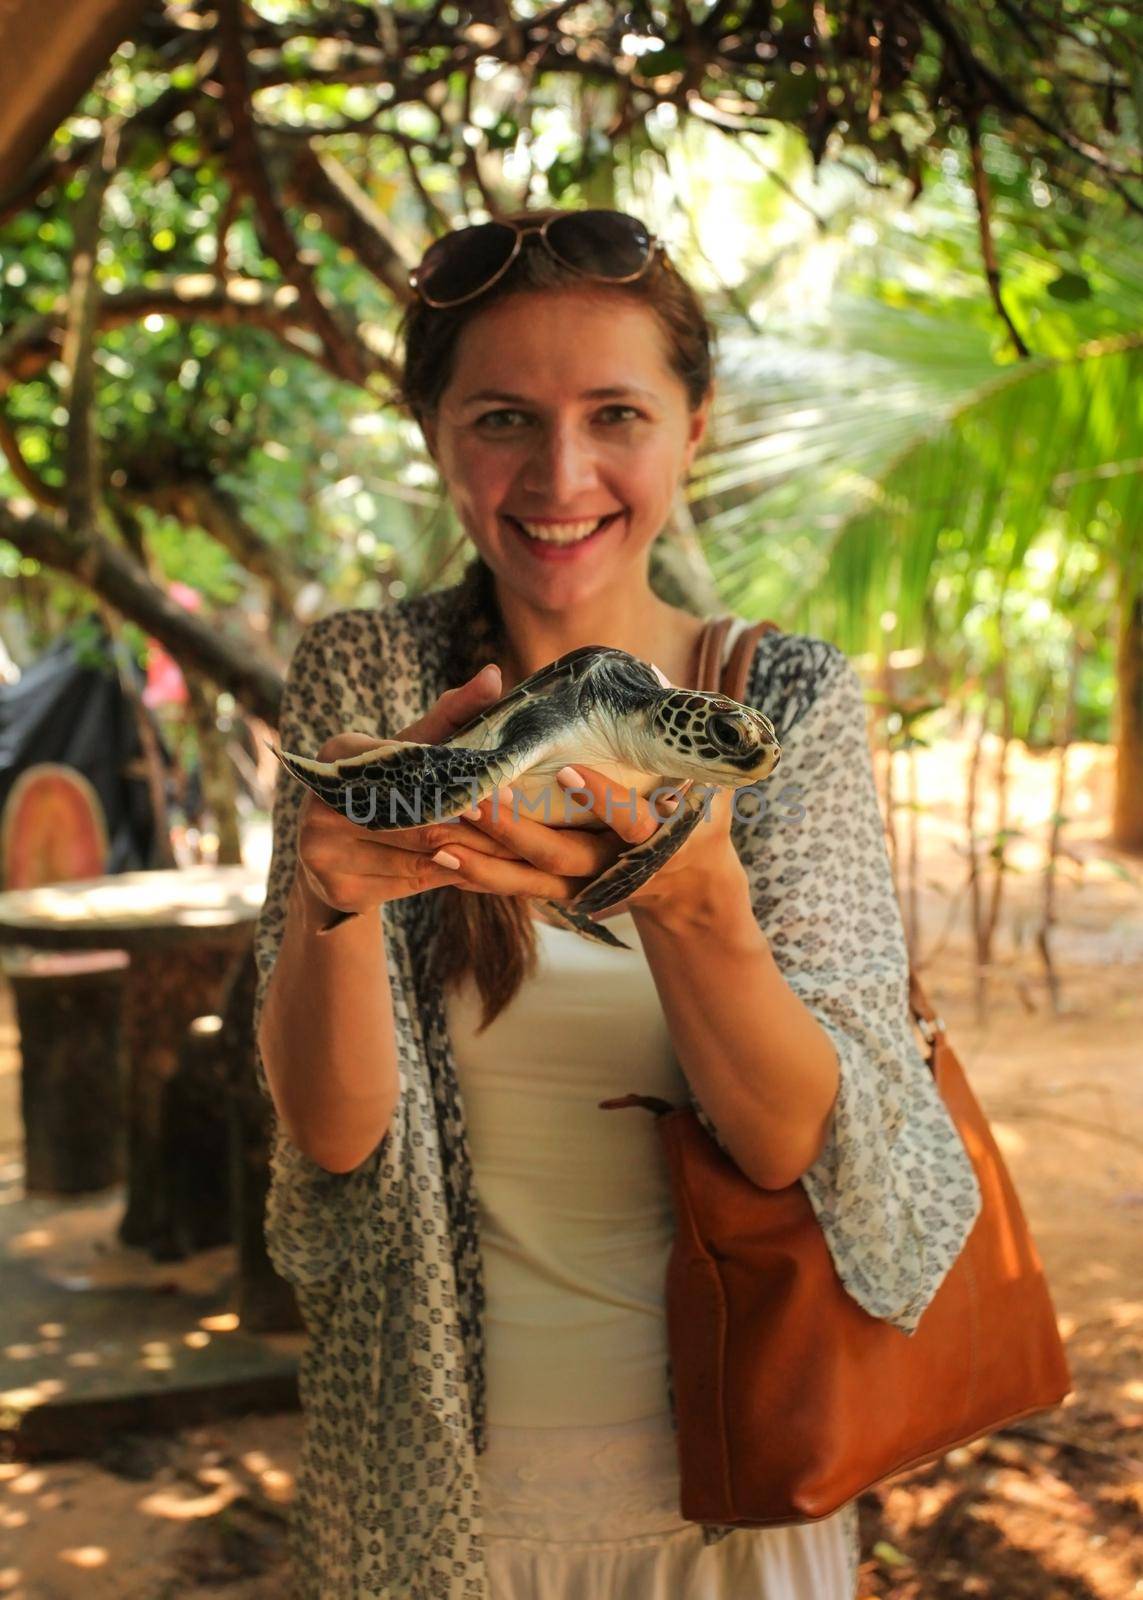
x=1047, y=1514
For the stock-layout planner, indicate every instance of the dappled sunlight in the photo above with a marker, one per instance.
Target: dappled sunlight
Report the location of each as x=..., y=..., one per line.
x=28, y=1481
x=182, y=1507
x=91, y=1555
x=31, y=1241
x=1010, y=1142
x=154, y=1514
x=159, y=1356
x=1127, y=1313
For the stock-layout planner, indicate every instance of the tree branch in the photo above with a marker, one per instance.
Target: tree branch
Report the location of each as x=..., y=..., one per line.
x=30, y=481
x=987, y=249
x=207, y=506
x=351, y=218
x=342, y=350
x=191, y=297
x=83, y=478
x=55, y=170
x=436, y=220
x=92, y=560
x=975, y=73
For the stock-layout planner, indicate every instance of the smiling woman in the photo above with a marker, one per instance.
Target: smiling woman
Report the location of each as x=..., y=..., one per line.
x=609, y=387
x=567, y=465
x=479, y=1251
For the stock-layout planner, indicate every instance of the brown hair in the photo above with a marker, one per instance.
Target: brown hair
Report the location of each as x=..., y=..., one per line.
x=493, y=936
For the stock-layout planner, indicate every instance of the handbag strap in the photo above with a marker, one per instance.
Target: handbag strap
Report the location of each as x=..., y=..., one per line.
x=731, y=681
x=709, y=664
x=931, y=1024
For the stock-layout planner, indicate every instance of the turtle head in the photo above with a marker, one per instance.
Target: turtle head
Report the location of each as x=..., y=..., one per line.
x=712, y=739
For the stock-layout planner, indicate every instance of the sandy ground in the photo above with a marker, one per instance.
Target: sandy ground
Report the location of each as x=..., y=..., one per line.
x=1047, y=1511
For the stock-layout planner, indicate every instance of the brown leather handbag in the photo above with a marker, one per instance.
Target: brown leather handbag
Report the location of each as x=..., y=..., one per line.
x=790, y=1399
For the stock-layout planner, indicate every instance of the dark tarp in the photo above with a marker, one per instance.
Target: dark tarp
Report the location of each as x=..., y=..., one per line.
x=69, y=706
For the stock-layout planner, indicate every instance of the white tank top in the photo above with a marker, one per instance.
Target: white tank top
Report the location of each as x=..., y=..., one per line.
x=574, y=1201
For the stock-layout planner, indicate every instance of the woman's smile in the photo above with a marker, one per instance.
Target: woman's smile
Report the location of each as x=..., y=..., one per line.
x=562, y=541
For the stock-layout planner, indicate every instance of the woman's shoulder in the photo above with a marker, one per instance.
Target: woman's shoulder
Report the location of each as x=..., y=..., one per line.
x=358, y=630
x=792, y=672
x=371, y=665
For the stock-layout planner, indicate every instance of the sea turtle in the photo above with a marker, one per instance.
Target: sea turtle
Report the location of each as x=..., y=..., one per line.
x=598, y=705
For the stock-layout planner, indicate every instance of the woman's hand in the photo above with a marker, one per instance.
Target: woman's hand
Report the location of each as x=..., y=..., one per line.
x=574, y=856
x=350, y=869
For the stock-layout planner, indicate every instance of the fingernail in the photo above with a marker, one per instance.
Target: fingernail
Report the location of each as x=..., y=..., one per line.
x=660, y=674
x=445, y=858
x=570, y=777
x=488, y=676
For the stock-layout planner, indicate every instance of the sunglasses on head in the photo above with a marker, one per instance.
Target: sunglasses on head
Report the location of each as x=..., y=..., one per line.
x=607, y=245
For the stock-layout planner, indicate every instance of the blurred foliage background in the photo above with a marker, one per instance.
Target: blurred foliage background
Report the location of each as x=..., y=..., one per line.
x=916, y=225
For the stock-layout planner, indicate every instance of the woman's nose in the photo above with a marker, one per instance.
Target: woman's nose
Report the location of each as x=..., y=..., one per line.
x=560, y=468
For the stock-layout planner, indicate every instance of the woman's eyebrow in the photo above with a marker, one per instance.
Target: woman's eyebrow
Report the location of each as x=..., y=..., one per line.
x=609, y=393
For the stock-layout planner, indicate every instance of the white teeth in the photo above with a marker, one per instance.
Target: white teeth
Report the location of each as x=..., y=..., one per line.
x=561, y=533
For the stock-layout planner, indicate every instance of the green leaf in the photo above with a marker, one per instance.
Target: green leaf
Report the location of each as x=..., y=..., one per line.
x=1070, y=286
x=889, y=1555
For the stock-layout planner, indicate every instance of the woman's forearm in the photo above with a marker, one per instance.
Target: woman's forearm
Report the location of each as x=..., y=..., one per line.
x=327, y=1036
x=763, y=1068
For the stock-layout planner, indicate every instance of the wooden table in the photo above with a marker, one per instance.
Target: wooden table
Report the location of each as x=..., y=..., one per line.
x=182, y=930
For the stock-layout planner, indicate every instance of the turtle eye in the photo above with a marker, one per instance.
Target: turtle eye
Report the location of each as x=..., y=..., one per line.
x=725, y=731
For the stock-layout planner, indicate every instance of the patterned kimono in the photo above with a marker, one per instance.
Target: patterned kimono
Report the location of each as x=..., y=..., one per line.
x=385, y=1259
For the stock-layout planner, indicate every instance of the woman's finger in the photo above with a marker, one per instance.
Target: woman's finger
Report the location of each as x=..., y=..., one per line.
x=425, y=838
x=567, y=852
x=358, y=891
x=622, y=809
x=511, y=877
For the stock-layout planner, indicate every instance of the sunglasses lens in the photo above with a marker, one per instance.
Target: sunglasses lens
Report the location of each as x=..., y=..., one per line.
x=609, y=243
x=464, y=261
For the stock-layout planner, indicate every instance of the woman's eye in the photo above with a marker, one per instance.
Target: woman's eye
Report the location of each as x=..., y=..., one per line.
x=489, y=419
x=490, y=416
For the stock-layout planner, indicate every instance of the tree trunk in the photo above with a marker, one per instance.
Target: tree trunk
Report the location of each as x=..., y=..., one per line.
x=976, y=900
x=1048, y=920
x=218, y=786
x=999, y=851
x=1127, y=810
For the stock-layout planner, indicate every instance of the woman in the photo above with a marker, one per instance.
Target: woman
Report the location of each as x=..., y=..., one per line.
x=478, y=1250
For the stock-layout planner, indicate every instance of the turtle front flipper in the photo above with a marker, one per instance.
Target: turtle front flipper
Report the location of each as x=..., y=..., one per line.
x=585, y=927
x=401, y=784
x=631, y=870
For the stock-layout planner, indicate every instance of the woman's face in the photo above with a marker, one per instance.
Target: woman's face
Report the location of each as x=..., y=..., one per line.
x=523, y=436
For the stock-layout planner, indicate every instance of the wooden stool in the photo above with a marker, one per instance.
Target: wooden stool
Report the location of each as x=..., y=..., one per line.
x=192, y=1204
x=73, y=1073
